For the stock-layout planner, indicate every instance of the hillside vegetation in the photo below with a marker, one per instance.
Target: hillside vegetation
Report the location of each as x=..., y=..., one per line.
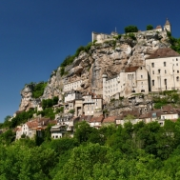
x=142, y=151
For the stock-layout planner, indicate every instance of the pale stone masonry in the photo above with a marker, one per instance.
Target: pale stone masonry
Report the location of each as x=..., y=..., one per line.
x=164, y=70
x=101, y=37
x=131, y=80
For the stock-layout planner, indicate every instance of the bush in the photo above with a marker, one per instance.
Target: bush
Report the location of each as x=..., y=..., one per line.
x=131, y=29
x=71, y=111
x=48, y=112
x=149, y=27
x=132, y=36
x=38, y=89
x=69, y=59
x=48, y=103
x=21, y=118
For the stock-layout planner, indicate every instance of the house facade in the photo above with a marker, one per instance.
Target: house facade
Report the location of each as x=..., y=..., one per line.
x=164, y=70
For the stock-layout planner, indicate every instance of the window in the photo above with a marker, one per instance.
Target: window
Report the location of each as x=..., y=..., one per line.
x=159, y=71
x=177, y=78
x=141, y=68
x=153, y=72
x=176, y=59
x=130, y=76
x=153, y=82
x=165, y=71
x=165, y=81
x=177, y=71
x=141, y=76
x=164, y=64
x=177, y=64
x=152, y=64
x=141, y=82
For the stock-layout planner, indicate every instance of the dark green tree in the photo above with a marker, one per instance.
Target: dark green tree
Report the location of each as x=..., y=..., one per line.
x=131, y=28
x=149, y=27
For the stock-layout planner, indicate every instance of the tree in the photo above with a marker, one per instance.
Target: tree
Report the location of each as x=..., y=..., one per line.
x=149, y=27
x=131, y=28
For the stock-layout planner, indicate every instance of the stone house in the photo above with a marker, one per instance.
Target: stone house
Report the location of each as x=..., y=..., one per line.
x=30, y=128
x=58, y=131
x=111, y=120
x=92, y=104
x=131, y=80
x=72, y=95
x=96, y=122
x=164, y=70
x=75, y=85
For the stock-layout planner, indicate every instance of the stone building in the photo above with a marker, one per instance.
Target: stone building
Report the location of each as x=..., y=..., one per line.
x=92, y=104
x=164, y=70
x=101, y=37
x=131, y=80
x=72, y=85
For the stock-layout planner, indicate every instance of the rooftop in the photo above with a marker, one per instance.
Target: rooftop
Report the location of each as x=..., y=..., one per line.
x=163, y=52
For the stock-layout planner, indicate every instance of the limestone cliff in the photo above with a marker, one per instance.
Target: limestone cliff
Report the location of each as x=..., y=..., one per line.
x=109, y=57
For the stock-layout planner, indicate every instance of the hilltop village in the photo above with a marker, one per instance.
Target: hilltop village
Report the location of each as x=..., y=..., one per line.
x=115, y=81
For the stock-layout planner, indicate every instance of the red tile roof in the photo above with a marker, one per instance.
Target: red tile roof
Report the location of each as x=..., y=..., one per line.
x=96, y=119
x=131, y=68
x=163, y=52
x=110, y=119
x=159, y=27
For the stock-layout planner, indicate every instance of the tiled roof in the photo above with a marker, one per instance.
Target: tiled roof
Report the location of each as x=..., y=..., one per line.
x=109, y=119
x=159, y=27
x=163, y=52
x=131, y=69
x=85, y=118
x=96, y=119
x=32, y=124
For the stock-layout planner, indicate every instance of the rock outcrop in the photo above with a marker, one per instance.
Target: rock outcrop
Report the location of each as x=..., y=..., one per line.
x=109, y=57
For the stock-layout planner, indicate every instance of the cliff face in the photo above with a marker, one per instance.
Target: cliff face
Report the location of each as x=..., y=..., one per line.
x=27, y=101
x=109, y=57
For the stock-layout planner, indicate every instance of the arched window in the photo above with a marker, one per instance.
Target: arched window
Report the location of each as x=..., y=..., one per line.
x=164, y=64
x=177, y=78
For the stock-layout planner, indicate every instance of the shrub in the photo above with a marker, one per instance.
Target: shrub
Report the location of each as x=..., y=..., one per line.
x=48, y=103
x=38, y=89
x=21, y=118
x=149, y=27
x=48, y=112
x=131, y=29
x=72, y=111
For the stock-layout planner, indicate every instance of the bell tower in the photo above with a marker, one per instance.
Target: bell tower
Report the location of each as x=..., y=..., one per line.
x=167, y=26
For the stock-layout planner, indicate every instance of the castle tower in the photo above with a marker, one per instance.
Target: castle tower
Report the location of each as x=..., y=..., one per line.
x=167, y=26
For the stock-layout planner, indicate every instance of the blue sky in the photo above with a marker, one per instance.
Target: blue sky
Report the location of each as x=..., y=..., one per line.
x=36, y=35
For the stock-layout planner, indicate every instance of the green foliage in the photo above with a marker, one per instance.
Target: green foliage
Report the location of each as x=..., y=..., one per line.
x=48, y=103
x=118, y=37
x=130, y=29
x=8, y=137
x=69, y=59
x=133, y=152
x=37, y=89
x=149, y=27
x=130, y=35
x=21, y=117
x=175, y=42
x=71, y=111
x=48, y=112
